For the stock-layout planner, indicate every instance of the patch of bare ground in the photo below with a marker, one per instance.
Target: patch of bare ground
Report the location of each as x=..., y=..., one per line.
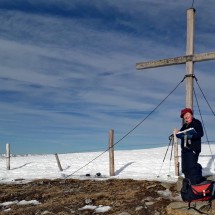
x=69, y=196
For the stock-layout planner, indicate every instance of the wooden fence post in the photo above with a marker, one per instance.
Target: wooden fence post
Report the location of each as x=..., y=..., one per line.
x=111, y=152
x=58, y=162
x=8, y=156
x=175, y=139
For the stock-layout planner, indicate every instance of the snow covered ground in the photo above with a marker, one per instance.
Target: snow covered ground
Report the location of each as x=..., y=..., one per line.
x=134, y=164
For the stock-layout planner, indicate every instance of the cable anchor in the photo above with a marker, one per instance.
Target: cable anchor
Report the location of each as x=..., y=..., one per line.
x=190, y=76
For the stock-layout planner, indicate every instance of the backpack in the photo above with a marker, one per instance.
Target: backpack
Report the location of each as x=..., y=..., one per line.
x=198, y=192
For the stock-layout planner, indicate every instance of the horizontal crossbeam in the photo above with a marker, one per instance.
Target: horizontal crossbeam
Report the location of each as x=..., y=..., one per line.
x=177, y=60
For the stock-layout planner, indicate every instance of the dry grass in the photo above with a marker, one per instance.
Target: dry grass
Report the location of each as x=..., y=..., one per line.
x=68, y=196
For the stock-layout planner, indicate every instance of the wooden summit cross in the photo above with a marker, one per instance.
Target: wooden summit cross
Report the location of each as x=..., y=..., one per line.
x=189, y=59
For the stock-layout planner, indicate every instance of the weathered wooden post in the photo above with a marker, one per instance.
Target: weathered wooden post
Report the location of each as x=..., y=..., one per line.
x=111, y=152
x=8, y=156
x=58, y=162
x=190, y=51
x=176, y=153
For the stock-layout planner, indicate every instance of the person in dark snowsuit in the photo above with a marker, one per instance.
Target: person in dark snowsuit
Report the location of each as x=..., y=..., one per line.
x=191, y=149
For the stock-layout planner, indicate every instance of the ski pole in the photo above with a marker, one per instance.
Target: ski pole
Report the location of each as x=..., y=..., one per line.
x=170, y=160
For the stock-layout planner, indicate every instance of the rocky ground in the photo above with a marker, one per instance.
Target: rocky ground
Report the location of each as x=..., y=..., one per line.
x=62, y=197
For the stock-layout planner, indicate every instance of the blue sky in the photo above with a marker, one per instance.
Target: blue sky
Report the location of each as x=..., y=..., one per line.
x=68, y=73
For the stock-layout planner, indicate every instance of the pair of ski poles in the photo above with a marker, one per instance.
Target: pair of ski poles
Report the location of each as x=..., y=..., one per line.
x=170, y=143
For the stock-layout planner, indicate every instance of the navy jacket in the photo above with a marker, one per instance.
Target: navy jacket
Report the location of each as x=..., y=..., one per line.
x=196, y=138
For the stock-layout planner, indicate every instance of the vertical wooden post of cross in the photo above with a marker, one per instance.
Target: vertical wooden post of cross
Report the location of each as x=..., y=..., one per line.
x=190, y=51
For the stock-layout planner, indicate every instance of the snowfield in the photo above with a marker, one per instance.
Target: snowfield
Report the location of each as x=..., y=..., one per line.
x=135, y=164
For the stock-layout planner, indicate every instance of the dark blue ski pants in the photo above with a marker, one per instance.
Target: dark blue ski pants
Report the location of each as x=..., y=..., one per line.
x=190, y=166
